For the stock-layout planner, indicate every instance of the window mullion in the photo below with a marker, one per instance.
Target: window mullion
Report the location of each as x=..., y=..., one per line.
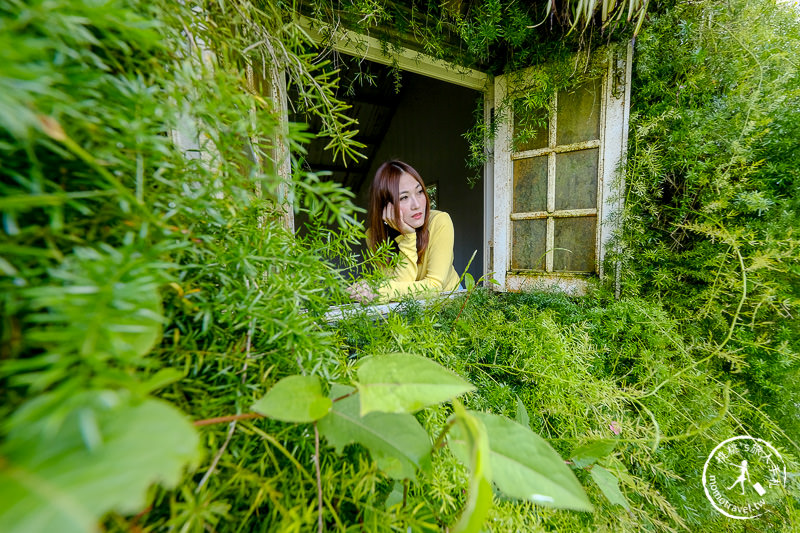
x=551, y=185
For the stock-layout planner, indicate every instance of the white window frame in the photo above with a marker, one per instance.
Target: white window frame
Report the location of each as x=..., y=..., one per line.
x=615, y=107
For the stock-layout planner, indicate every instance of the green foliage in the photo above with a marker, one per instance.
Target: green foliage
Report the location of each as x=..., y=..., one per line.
x=711, y=217
x=131, y=269
x=609, y=485
x=405, y=383
x=58, y=478
x=524, y=466
x=495, y=449
x=613, y=385
x=396, y=441
x=294, y=399
x=475, y=441
x=147, y=281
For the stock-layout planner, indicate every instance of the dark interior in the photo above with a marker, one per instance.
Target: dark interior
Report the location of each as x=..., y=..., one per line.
x=419, y=120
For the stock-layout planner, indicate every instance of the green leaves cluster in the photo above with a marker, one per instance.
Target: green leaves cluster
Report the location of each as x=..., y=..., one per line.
x=711, y=217
x=491, y=35
x=390, y=388
x=618, y=388
x=141, y=249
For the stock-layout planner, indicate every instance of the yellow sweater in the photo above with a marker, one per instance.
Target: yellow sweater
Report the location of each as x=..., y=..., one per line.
x=435, y=273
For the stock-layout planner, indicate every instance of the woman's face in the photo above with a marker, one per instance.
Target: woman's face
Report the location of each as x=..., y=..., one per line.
x=411, y=201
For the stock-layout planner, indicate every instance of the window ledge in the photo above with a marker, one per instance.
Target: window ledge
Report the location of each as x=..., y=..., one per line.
x=573, y=284
x=341, y=312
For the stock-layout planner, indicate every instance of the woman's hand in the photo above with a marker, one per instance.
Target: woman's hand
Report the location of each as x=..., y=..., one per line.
x=398, y=225
x=361, y=292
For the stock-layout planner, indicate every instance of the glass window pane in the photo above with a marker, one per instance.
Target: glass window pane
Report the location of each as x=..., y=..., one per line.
x=579, y=113
x=528, y=246
x=576, y=179
x=530, y=184
x=530, y=128
x=574, y=244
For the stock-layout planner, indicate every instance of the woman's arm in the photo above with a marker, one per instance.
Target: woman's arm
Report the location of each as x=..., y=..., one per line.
x=439, y=262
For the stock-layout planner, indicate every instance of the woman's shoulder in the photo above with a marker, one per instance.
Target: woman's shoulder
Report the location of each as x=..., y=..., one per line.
x=439, y=216
x=439, y=219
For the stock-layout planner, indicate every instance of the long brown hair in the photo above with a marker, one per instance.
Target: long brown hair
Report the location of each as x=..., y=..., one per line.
x=385, y=188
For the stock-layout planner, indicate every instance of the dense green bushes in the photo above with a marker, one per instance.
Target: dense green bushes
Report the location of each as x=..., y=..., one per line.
x=712, y=195
x=127, y=265
x=143, y=289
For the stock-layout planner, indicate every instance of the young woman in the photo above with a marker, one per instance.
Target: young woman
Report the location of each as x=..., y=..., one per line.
x=399, y=212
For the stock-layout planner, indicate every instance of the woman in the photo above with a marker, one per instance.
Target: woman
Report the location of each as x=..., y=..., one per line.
x=399, y=211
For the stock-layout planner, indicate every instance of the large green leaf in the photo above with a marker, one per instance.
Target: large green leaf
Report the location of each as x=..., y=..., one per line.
x=103, y=456
x=525, y=466
x=294, y=399
x=404, y=383
x=396, y=441
x=474, y=448
x=587, y=454
x=609, y=484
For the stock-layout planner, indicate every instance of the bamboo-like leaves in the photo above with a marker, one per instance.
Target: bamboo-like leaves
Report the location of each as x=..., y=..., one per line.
x=405, y=383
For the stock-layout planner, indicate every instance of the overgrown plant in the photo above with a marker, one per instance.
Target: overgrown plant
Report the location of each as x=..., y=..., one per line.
x=127, y=264
x=711, y=216
x=151, y=297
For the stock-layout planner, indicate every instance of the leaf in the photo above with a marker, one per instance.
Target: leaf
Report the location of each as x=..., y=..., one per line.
x=295, y=399
x=162, y=378
x=396, y=496
x=525, y=466
x=469, y=281
x=396, y=441
x=588, y=454
x=405, y=383
x=51, y=481
x=479, y=501
x=473, y=448
x=522, y=414
x=609, y=484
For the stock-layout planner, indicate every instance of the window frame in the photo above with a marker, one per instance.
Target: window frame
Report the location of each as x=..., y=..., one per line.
x=614, y=114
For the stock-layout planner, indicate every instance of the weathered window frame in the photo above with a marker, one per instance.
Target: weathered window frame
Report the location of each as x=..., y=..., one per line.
x=615, y=106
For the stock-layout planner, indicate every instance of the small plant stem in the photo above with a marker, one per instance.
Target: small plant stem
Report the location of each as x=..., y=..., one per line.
x=319, y=477
x=342, y=397
x=229, y=418
x=463, y=305
x=741, y=301
x=720, y=346
x=656, y=427
x=217, y=456
x=439, y=440
x=270, y=439
x=232, y=426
